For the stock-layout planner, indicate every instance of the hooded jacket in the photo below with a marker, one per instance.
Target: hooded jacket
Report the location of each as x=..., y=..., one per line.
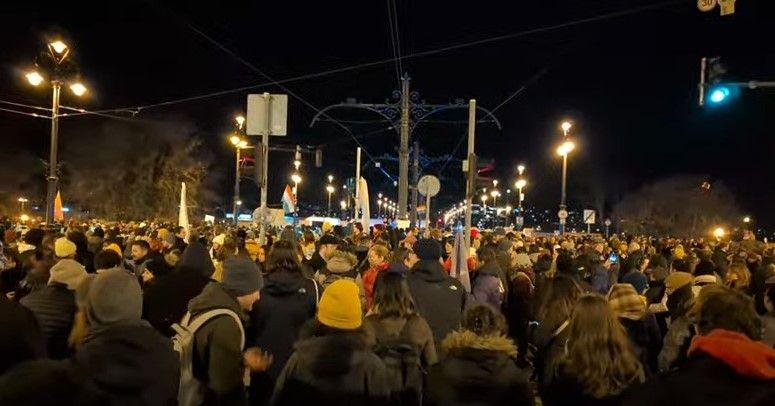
x=413, y=329
x=334, y=369
x=478, y=370
x=288, y=300
x=487, y=287
x=218, y=361
x=165, y=300
x=20, y=336
x=440, y=300
x=723, y=368
x=54, y=309
x=130, y=363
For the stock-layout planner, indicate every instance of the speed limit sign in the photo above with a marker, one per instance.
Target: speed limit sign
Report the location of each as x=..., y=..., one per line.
x=706, y=5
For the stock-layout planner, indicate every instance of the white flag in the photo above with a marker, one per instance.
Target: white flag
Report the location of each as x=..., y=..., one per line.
x=363, y=202
x=183, y=214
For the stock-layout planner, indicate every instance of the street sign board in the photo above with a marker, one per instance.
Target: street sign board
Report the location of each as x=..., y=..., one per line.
x=589, y=217
x=257, y=114
x=429, y=185
x=520, y=221
x=727, y=7
x=562, y=214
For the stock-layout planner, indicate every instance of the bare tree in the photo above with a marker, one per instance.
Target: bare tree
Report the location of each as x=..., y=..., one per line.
x=681, y=206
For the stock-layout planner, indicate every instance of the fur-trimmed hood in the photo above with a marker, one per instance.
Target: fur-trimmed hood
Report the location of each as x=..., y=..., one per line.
x=466, y=339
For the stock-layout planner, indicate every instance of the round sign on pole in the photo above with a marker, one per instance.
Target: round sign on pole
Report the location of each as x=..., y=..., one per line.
x=562, y=214
x=706, y=5
x=429, y=185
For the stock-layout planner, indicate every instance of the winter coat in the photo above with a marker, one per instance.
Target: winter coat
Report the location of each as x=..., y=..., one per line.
x=565, y=390
x=723, y=368
x=218, y=360
x=440, y=300
x=336, y=369
x=414, y=330
x=165, y=301
x=676, y=342
x=287, y=301
x=768, y=325
x=646, y=339
x=487, y=287
x=478, y=370
x=20, y=336
x=316, y=263
x=600, y=279
x=369, y=280
x=130, y=364
x=550, y=350
x=54, y=309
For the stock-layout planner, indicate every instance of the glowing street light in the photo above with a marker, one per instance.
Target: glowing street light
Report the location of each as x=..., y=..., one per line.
x=520, y=169
x=24, y=218
x=566, y=125
x=343, y=205
x=78, y=89
x=296, y=178
x=484, y=201
x=58, y=46
x=235, y=140
x=747, y=219
x=330, y=190
x=240, y=119
x=330, y=178
x=565, y=148
x=719, y=232
x=34, y=78
x=238, y=144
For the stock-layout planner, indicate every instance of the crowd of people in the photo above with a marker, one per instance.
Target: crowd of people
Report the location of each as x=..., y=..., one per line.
x=154, y=314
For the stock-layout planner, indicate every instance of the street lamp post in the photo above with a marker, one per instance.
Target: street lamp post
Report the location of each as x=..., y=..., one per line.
x=238, y=144
x=330, y=190
x=60, y=70
x=22, y=201
x=296, y=178
x=563, y=150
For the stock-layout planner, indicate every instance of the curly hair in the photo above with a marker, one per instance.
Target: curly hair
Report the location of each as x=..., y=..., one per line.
x=598, y=351
x=484, y=321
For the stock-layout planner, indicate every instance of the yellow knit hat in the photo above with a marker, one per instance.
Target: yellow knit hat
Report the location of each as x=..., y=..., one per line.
x=340, y=306
x=64, y=248
x=115, y=248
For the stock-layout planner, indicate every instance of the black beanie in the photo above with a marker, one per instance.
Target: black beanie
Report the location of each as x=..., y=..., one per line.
x=427, y=249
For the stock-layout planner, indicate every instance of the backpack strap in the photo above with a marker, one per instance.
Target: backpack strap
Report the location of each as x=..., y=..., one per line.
x=201, y=319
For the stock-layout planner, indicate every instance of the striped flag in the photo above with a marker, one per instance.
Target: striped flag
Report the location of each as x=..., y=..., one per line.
x=59, y=214
x=289, y=200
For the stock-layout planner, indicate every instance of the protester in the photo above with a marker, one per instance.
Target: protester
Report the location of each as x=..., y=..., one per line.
x=598, y=364
x=122, y=356
x=341, y=265
x=167, y=299
x=768, y=320
x=440, y=300
x=400, y=337
x=218, y=361
x=141, y=255
x=680, y=299
x=378, y=258
x=640, y=325
x=487, y=287
x=54, y=306
x=332, y=363
x=726, y=364
x=326, y=245
x=480, y=365
x=738, y=276
x=20, y=336
x=288, y=300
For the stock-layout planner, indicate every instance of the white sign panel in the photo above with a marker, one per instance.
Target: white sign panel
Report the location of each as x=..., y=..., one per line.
x=589, y=216
x=257, y=114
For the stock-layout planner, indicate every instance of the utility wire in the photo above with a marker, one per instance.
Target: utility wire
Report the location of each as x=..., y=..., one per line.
x=522, y=88
x=36, y=115
x=398, y=37
x=601, y=17
x=393, y=42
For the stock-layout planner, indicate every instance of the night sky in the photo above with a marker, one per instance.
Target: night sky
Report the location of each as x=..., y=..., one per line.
x=629, y=84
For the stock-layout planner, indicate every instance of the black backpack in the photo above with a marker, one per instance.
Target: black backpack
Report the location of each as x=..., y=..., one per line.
x=404, y=370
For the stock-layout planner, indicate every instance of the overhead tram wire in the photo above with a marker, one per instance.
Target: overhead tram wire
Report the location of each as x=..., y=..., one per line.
x=289, y=91
x=393, y=43
x=398, y=37
x=548, y=28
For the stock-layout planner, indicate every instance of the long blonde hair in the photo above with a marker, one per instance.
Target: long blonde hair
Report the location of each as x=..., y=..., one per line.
x=598, y=351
